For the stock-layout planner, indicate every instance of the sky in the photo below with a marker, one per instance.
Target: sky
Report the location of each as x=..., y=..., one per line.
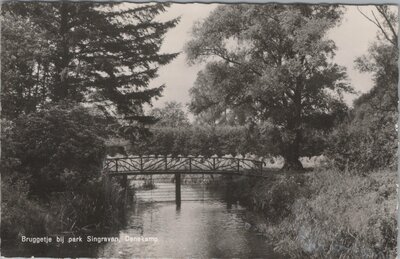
x=352, y=37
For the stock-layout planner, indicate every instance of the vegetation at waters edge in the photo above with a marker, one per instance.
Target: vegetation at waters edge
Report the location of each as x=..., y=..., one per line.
x=55, y=149
x=84, y=210
x=51, y=180
x=326, y=213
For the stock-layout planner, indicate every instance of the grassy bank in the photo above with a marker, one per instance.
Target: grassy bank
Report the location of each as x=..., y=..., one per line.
x=326, y=213
x=98, y=207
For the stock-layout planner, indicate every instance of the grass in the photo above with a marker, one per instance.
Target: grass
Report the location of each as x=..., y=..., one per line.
x=97, y=207
x=20, y=215
x=327, y=213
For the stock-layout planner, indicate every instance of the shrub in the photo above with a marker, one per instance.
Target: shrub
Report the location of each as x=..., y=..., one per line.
x=274, y=196
x=58, y=148
x=356, y=147
x=326, y=213
x=52, y=162
x=340, y=215
x=368, y=139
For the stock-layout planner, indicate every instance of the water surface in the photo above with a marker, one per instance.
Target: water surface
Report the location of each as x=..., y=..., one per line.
x=204, y=226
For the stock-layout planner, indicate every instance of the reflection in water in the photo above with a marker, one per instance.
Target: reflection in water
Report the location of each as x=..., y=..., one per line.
x=201, y=229
x=204, y=226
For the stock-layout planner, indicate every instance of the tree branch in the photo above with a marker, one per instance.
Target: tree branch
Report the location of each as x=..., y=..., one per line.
x=383, y=30
x=376, y=22
x=390, y=25
x=226, y=58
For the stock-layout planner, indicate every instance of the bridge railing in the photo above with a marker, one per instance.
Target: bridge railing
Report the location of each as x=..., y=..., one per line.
x=188, y=164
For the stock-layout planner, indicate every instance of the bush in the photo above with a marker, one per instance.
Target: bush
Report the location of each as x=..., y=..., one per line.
x=368, y=139
x=273, y=196
x=362, y=147
x=52, y=163
x=333, y=214
x=57, y=148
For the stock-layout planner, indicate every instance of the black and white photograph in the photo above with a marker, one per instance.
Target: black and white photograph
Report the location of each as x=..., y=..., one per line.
x=199, y=129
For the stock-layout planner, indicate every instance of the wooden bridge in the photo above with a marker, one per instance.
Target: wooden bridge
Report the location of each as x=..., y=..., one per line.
x=161, y=165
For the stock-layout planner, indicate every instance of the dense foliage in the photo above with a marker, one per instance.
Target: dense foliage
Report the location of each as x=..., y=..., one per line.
x=51, y=172
x=19, y=214
x=326, y=213
x=57, y=148
x=365, y=144
x=257, y=139
x=105, y=54
x=368, y=138
x=204, y=140
x=171, y=115
x=272, y=62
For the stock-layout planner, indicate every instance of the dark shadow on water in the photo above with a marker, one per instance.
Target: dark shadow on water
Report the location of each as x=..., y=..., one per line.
x=208, y=223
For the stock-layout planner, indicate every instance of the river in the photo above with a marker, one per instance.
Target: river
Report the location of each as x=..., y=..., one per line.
x=204, y=226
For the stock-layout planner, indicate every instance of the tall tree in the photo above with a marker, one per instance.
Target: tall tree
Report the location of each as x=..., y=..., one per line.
x=212, y=102
x=368, y=139
x=277, y=59
x=100, y=53
x=24, y=50
x=381, y=61
x=171, y=115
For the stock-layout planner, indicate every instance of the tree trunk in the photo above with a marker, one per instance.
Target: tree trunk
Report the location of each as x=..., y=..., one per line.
x=292, y=155
x=292, y=149
x=63, y=58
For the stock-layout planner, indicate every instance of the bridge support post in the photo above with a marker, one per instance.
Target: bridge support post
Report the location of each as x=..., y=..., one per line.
x=178, y=189
x=125, y=186
x=230, y=190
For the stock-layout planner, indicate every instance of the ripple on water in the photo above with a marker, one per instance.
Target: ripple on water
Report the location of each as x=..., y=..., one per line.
x=200, y=229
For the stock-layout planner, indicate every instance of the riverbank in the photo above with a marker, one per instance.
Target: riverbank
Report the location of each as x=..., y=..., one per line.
x=96, y=208
x=325, y=212
x=52, y=181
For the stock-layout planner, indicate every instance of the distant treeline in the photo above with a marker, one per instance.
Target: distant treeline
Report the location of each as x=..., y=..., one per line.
x=203, y=140
x=359, y=143
x=206, y=140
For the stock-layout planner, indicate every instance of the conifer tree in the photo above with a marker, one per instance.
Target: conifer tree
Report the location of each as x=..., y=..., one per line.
x=104, y=54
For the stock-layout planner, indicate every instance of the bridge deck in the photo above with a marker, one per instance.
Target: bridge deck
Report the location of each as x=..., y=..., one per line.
x=158, y=172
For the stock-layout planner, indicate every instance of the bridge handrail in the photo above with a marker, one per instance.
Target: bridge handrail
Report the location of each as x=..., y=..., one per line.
x=157, y=164
x=183, y=157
